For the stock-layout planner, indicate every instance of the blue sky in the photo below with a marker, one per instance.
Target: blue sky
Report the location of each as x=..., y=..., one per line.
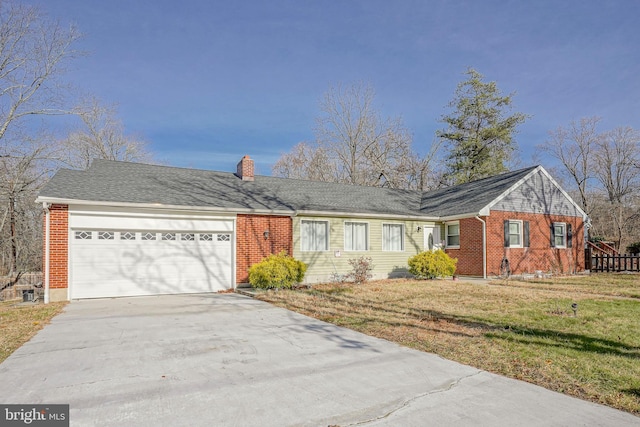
x=207, y=81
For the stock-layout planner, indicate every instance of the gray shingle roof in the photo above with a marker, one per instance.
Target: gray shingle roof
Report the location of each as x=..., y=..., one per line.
x=122, y=182
x=470, y=197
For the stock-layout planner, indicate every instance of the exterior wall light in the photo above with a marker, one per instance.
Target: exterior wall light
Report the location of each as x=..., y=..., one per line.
x=266, y=234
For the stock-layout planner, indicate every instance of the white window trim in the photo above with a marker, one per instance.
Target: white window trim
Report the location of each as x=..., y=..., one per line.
x=402, y=243
x=344, y=227
x=327, y=242
x=519, y=221
x=564, y=235
x=446, y=235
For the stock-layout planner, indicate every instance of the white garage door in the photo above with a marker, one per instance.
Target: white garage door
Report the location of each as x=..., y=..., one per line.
x=113, y=256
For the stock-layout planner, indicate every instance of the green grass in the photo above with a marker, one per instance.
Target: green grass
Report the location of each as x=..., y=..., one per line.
x=524, y=330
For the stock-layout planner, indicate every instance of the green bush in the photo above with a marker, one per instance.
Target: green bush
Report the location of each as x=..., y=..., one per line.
x=277, y=271
x=634, y=248
x=432, y=264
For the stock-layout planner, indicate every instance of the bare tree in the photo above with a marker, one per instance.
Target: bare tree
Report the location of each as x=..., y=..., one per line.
x=617, y=152
x=356, y=145
x=102, y=137
x=305, y=161
x=33, y=53
x=573, y=147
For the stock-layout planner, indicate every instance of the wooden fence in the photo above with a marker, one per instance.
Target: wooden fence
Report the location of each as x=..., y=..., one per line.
x=613, y=263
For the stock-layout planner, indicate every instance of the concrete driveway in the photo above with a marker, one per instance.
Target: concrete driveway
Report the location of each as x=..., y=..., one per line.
x=229, y=360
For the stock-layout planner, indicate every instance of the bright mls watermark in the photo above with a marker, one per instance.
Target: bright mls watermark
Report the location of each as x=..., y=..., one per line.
x=34, y=415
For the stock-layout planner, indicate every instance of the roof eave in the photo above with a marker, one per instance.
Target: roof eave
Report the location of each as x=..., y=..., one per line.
x=55, y=200
x=365, y=215
x=462, y=216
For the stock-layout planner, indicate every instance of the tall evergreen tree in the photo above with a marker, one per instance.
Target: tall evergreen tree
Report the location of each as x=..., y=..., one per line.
x=480, y=131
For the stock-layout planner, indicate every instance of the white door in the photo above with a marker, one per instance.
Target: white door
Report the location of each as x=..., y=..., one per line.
x=123, y=256
x=432, y=240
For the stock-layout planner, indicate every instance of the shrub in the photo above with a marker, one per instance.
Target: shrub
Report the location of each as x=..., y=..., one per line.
x=634, y=248
x=432, y=264
x=277, y=271
x=360, y=270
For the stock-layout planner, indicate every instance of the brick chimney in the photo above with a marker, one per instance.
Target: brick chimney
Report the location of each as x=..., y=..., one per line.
x=245, y=169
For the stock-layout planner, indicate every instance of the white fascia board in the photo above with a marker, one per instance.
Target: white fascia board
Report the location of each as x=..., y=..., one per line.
x=366, y=215
x=564, y=193
x=52, y=200
x=485, y=210
x=461, y=216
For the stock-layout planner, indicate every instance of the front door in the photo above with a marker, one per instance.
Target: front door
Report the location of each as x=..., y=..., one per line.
x=432, y=240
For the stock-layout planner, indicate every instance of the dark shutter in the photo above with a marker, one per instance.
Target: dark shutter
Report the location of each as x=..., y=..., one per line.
x=569, y=236
x=525, y=234
x=506, y=233
x=553, y=236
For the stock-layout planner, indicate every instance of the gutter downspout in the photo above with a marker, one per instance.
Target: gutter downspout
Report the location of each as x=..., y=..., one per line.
x=47, y=243
x=484, y=247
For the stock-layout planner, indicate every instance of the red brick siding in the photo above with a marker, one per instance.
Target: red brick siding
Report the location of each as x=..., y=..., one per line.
x=538, y=256
x=470, y=253
x=58, y=246
x=251, y=245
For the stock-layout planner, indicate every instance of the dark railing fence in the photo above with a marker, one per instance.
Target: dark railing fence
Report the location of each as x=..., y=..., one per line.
x=612, y=263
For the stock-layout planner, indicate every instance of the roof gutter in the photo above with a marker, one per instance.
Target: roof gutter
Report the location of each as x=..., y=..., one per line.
x=52, y=200
x=460, y=216
x=365, y=215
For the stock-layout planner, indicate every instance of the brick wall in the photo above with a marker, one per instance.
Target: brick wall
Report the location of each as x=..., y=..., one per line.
x=538, y=256
x=470, y=253
x=58, y=246
x=252, y=246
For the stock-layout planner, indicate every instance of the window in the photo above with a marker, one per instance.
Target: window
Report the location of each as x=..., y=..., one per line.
x=106, y=235
x=148, y=236
x=128, y=235
x=168, y=236
x=187, y=236
x=206, y=237
x=356, y=236
x=516, y=234
x=314, y=236
x=392, y=237
x=561, y=235
x=83, y=235
x=224, y=237
x=453, y=234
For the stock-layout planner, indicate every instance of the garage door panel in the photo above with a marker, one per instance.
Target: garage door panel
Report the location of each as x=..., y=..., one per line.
x=117, y=267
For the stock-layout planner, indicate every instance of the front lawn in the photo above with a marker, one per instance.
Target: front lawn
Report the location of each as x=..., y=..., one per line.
x=524, y=330
x=18, y=323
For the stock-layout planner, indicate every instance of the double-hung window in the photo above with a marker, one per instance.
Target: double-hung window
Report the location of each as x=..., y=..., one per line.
x=561, y=235
x=314, y=235
x=453, y=234
x=516, y=233
x=356, y=236
x=393, y=237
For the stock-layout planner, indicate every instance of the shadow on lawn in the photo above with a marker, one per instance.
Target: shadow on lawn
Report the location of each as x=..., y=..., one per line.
x=550, y=338
x=407, y=316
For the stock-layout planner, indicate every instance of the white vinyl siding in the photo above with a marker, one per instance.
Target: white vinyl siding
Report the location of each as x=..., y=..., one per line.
x=314, y=236
x=356, y=236
x=393, y=237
